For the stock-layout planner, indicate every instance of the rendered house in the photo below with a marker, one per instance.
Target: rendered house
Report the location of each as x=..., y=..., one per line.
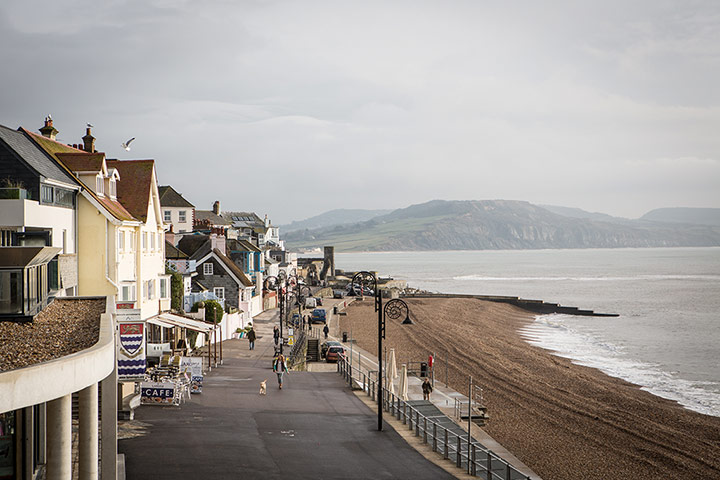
x=177, y=211
x=120, y=229
x=38, y=207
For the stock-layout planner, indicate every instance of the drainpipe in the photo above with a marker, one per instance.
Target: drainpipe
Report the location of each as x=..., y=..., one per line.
x=107, y=261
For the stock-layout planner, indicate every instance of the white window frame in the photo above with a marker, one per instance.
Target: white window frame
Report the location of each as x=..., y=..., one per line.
x=164, y=288
x=112, y=186
x=182, y=214
x=221, y=291
x=121, y=241
x=152, y=241
x=208, y=268
x=167, y=216
x=144, y=241
x=100, y=185
x=128, y=293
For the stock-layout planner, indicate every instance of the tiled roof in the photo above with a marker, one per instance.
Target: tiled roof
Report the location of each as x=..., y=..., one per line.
x=82, y=162
x=55, y=149
x=34, y=156
x=233, y=268
x=134, y=187
x=250, y=218
x=209, y=215
x=171, y=198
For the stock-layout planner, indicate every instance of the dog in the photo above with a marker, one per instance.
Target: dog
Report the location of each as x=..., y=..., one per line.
x=263, y=387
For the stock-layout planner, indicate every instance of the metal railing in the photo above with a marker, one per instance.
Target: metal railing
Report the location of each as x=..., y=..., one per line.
x=474, y=458
x=297, y=353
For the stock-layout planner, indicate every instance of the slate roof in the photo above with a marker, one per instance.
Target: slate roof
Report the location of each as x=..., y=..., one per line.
x=189, y=244
x=249, y=218
x=209, y=215
x=56, y=149
x=169, y=197
x=134, y=187
x=241, y=246
x=34, y=156
x=173, y=253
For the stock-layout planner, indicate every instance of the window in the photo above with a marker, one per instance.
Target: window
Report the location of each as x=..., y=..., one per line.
x=152, y=241
x=207, y=268
x=163, y=288
x=183, y=215
x=219, y=292
x=47, y=194
x=128, y=293
x=99, y=185
x=121, y=241
x=113, y=189
x=11, y=292
x=167, y=216
x=144, y=241
x=151, y=289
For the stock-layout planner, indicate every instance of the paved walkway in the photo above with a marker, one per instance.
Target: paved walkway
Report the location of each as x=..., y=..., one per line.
x=315, y=428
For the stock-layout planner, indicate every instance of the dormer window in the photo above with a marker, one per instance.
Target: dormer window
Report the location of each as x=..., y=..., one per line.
x=99, y=185
x=112, y=188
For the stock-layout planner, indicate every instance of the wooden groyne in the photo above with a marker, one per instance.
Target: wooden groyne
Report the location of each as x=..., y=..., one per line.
x=535, y=306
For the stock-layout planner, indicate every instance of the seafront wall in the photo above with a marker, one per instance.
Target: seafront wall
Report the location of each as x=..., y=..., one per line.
x=535, y=306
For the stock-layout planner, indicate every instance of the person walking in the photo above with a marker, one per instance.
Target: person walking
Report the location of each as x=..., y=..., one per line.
x=280, y=367
x=276, y=335
x=326, y=330
x=251, y=338
x=426, y=388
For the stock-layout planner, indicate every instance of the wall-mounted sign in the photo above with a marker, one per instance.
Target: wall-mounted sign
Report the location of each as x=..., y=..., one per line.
x=131, y=346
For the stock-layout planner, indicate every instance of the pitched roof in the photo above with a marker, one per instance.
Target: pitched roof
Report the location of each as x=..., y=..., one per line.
x=169, y=197
x=134, y=187
x=173, y=253
x=82, y=162
x=34, y=156
x=250, y=218
x=189, y=244
x=56, y=149
x=210, y=216
x=241, y=245
x=230, y=265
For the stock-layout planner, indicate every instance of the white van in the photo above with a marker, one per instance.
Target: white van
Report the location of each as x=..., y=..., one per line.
x=310, y=302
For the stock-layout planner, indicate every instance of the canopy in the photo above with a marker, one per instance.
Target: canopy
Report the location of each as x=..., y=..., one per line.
x=170, y=320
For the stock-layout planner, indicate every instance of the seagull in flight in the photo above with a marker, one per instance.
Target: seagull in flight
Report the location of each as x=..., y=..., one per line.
x=126, y=145
x=89, y=125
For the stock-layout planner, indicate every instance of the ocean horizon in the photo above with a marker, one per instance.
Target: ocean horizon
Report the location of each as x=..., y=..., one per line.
x=664, y=340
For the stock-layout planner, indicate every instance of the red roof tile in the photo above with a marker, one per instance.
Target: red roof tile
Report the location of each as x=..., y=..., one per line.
x=134, y=187
x=82, y=162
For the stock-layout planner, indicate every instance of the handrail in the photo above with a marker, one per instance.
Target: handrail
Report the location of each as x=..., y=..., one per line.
x=476, y=460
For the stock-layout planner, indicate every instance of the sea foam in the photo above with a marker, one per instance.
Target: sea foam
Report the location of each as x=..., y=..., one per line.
x=552, y=332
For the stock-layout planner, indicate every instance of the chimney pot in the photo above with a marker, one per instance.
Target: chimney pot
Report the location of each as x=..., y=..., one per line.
x=216, y=207
x=48, y=130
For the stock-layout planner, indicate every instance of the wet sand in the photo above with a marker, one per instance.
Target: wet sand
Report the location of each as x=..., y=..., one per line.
x=563, y=420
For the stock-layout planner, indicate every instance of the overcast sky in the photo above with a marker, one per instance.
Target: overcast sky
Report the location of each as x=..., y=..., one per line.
x=293, y=108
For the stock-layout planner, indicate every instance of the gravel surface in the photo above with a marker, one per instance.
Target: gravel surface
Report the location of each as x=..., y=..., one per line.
x=65, y=326
x=563, y=420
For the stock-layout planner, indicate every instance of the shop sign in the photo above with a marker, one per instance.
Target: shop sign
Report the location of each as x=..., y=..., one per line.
x=157, y=393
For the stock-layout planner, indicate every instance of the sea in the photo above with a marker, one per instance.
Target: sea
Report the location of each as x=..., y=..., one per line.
x=666, y=338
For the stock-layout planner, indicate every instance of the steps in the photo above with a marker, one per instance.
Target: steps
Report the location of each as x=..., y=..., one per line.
x=313, y=350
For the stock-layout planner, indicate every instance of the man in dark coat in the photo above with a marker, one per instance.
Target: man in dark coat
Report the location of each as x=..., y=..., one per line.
x=251, y=338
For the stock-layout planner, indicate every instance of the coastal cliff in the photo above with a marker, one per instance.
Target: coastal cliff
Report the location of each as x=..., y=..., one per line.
x=498, y=225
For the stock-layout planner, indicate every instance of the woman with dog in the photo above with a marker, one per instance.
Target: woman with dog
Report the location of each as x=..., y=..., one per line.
x=280, y=367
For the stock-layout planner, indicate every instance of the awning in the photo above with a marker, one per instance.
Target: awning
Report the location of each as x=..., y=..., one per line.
x=170, y=320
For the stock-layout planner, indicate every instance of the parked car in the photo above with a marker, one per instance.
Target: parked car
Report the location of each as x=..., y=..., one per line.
x=319, y=301
x=338, y=294
x=319, y=315
x=356, y=289
x=333, y=354
x=330, y=343
x=311, y=302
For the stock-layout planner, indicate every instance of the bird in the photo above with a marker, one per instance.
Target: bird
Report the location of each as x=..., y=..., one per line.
x=126, y=145
x=89, y=125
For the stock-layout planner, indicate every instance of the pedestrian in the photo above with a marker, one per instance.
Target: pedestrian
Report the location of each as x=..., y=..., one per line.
x=251, y=338
x=326, y=330
x=280, y=367
x=276, y=335
x=426, y=388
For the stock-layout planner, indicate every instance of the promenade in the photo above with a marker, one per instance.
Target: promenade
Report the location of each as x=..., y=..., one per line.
x=315, y=427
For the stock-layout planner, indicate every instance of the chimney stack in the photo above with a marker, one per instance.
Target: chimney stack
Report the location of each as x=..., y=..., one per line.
x=216, y=207
x=48, y=130
x=88, y=141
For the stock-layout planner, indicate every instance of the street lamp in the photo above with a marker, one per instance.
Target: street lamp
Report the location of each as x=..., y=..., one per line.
x=394, y=309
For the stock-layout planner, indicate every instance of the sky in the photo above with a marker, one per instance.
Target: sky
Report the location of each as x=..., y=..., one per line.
x=294, y=108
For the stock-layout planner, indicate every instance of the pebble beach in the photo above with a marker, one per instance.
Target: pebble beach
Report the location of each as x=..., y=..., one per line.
x=563, y=420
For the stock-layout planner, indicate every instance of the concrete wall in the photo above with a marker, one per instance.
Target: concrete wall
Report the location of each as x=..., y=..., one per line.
x=31, y=213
